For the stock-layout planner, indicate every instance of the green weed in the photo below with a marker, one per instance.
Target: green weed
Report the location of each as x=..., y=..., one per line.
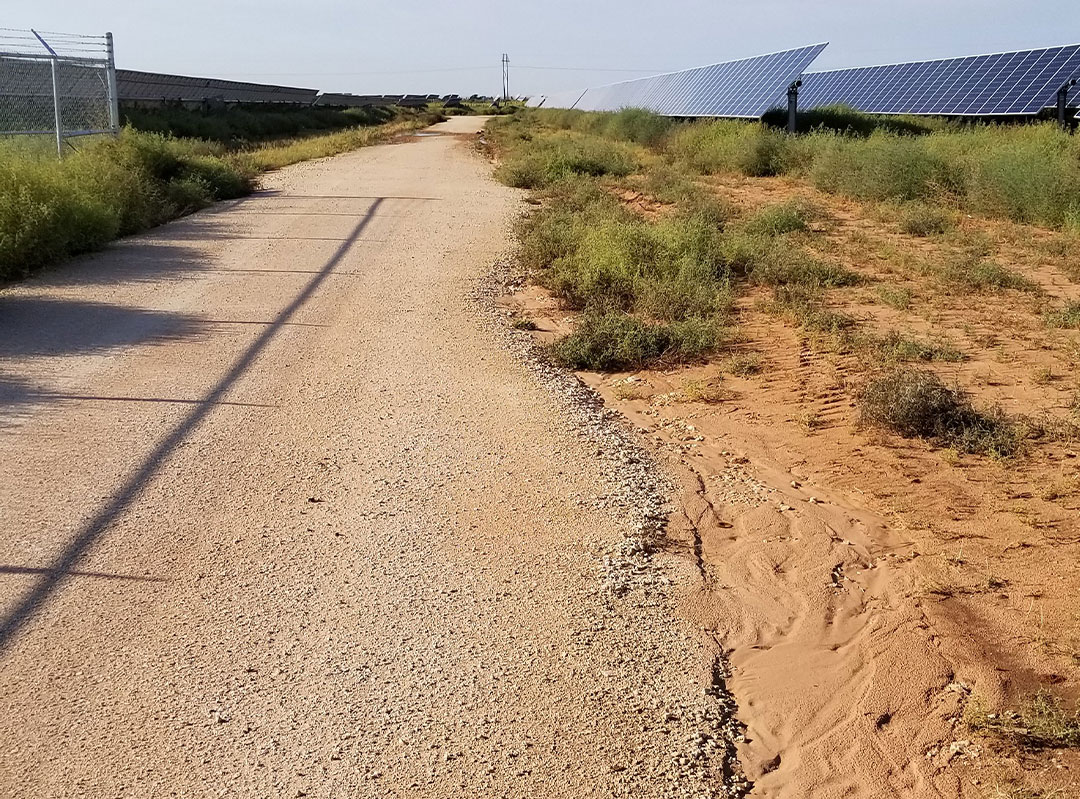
x=895, y=297
x=895, y=347
x=612, y=341
x=921, y=219
x=776, y=220
x=53, y=209
x=917, y=404
x=1067, y=316
x=977, y=274
x=558, y=156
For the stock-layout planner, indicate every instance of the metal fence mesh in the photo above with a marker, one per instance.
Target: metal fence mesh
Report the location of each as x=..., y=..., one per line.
x=84, y=97
x=26, y=97
x=45, y=78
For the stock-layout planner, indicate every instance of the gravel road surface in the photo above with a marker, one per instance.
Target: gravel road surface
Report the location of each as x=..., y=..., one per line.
x=287, y=514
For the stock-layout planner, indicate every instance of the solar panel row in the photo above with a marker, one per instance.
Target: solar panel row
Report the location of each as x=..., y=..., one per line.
x=561, y=99
x=1020, y=82
x=136, y=86
x=1001, y=84
x=151, y=87
x=745, y=88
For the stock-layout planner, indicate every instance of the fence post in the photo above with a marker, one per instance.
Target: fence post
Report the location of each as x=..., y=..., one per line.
x=114, y=98
x=57, y=121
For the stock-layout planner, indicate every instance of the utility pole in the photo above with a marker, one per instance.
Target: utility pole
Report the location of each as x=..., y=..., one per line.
x=506, y=76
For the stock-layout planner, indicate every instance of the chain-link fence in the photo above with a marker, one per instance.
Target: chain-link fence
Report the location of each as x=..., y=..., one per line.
x=59, y=85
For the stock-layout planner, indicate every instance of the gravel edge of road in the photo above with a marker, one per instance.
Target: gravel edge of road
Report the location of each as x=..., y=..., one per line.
x=644, y=498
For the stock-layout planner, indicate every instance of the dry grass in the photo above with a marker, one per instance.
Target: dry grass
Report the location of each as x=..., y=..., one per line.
x=1041, y=722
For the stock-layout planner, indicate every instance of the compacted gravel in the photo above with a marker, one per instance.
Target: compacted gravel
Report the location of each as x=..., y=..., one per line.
x=289, y=512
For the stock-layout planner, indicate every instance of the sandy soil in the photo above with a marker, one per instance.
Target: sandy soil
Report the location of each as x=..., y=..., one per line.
x=284, y=518
x=870, y=589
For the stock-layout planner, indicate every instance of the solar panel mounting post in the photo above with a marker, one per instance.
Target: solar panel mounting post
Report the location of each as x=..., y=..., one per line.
x=1063, y=103
x=793, y=106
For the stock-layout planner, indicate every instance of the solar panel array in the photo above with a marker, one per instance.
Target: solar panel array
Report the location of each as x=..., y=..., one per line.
x=336, y=100
x=152, y=88
x=134, y=86
x=1020, y=82
x=559, y=99
x=745, y=88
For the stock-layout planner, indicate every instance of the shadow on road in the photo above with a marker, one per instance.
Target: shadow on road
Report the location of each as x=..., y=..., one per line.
x=97, y=575
x=36, y=325
x=65, y=564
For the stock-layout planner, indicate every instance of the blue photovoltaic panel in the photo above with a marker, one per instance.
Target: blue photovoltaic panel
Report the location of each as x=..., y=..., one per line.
x=1021, y=82
x=745, y=88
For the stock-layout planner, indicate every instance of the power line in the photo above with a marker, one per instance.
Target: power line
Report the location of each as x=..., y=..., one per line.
x=588, y=69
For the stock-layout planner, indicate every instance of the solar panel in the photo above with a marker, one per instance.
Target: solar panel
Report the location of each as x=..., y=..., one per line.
x=1020, y=82
x=133, y=86
x=745, y=88
x=560, y=99
x=343, y=100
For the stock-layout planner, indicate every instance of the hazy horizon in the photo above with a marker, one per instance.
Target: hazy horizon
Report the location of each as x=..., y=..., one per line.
x=428, y=47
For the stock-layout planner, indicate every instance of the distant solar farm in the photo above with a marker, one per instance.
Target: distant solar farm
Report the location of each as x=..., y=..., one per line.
x=1018, y=83
x=153, y=88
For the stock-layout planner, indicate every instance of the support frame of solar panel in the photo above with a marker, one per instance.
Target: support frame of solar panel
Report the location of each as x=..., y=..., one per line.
x=744, y=89
x=1020, y=82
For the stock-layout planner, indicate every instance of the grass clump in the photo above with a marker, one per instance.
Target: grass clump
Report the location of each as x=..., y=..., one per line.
x=665, y=270
x=650, y=290
x=714, y=147
x=918, y=404
x=1042, y=722
x=973, y=273
x=556, y=157
x=895, y=347
x=882, y=166
x=895, y=297
x=776, y=220
x=1067, y=317
x=922, y=219
x=710, y=392
x=638, y=125
x=786, y=266
x=744, y=364
x=51, y=210
x=805, y=307
x=608, y=342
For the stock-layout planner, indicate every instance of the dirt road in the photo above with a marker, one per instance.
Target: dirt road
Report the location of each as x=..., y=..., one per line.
x=284, y=518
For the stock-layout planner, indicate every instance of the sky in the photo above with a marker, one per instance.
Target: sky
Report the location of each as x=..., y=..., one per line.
x=422, y=46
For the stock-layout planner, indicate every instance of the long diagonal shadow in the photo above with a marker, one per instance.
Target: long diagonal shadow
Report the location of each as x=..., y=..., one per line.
x=92, y=531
